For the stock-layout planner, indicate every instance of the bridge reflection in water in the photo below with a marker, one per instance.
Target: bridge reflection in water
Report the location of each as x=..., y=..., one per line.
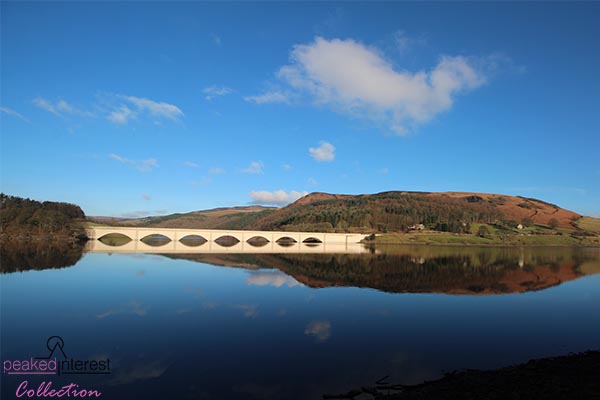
x=238, y=241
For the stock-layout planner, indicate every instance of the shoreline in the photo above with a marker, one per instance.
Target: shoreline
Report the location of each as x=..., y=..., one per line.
x=491, y=245
x=450, y=239
x=559, y=377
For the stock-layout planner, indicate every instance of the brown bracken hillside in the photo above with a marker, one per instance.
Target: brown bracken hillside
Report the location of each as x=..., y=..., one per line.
x=394, y=211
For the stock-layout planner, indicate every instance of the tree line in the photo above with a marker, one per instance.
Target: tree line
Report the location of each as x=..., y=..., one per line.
x=26, y=218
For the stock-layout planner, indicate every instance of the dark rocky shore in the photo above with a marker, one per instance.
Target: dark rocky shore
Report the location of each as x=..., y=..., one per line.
x=575, y=376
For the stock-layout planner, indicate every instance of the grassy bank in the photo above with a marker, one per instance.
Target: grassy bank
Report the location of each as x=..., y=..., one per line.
x=482, y=235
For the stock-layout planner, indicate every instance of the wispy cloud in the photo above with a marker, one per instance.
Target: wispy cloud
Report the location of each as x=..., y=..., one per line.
x=121, y=115
x=403, y=42
x=287, y=167
x=277, y=197
x=202, y=182
x=147, y=165
x=154, y=108
x=214, y=91
x=141, y=165
x=372, y=88
x=216, y=39
x=383, y=171
x=143, y=213
x=60, y=108
x=117, y=108
x=216, y=171
x=312, y=182
x=191, y=164
x=268, y=97
x=146, y=197
x=255, y=167
x=320, y=330
x=45, y=105
x=13, y=113
x=325, y=152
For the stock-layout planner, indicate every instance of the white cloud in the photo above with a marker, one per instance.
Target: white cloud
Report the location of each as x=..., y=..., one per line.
x=255, y=167
x=355, y=79
x=64, y=106
x=321, y=330
x=191, y=164
x=216, y=171
x=277, y=197
x=268, y=97
x=119, y=158
x=45, y=105
x=287, y=167
x=312, y=182
x=384, y=171
x=147, y=165
x=121, y=115
x=154, y=108
x=141, y=165
x=60, y=108
x=13, y=113
x=147, y=197
x=216, y=91
x=325, y=152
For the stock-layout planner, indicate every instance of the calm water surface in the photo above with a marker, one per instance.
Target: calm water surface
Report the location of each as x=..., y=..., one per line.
x=287, y=326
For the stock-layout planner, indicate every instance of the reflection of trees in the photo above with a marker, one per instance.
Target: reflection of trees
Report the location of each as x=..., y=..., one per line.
x=37, y=255
x=422, y=269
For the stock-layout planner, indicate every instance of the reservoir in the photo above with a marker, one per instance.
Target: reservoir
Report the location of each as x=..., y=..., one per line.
x=289, y=325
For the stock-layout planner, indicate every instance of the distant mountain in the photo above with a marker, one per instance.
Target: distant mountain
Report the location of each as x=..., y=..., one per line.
x=393, y=211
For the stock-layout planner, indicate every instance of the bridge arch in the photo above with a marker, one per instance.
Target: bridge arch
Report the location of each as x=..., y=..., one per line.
x=227, y=240
x=312, y=240
x=193, y=240
x=156, y=239
x=258, y=241
x=115, y=239
x=286, y=241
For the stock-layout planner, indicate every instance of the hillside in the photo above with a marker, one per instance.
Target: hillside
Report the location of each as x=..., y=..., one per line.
x=217, y=218
x=454, y=212
x=397, y=211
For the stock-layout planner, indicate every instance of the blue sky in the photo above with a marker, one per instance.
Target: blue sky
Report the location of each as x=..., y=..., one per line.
x=131, y=109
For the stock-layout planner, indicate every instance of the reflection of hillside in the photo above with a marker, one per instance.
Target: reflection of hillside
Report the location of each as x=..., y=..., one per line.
x=424, y=270
x=246, y=261
x=37, y=255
